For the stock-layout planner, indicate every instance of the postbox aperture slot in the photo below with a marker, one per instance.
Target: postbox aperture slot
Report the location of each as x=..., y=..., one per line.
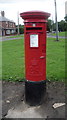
x=33, y=28
x=34, y=40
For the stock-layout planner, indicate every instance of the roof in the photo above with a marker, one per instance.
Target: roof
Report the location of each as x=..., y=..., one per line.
x=4, y=19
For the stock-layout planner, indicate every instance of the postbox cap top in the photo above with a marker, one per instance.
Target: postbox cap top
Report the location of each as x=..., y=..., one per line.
x=35, y=15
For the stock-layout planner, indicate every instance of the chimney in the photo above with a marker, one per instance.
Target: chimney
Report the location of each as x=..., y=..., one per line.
x=2, y=13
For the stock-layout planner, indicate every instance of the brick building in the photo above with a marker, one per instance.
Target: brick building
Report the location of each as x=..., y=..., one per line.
x=7, y=27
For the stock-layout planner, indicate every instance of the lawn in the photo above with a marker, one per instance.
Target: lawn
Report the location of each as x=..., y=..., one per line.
x=13, y=60
x=56, y=59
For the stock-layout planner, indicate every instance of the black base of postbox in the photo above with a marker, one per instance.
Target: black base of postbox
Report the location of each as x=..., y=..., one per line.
x=35, y=92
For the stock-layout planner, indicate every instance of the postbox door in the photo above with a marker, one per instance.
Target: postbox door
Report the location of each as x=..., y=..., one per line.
x=35, y=56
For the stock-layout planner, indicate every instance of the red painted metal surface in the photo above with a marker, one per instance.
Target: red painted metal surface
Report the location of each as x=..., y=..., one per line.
x=35, y=44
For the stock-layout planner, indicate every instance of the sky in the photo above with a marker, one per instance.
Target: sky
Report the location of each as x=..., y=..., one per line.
x=13, y=7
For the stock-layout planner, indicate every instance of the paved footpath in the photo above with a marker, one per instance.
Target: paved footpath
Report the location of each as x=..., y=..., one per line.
x=5, y=38
x=50, y=36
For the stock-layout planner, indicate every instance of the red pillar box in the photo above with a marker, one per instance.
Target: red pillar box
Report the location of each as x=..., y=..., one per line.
x=35, y=55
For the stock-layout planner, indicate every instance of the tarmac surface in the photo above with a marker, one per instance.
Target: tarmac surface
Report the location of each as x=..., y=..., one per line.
x=14, y=105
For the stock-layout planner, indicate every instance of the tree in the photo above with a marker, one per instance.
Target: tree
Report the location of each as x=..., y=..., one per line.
x=21, y=29
x=49, y=25
x=62, y=25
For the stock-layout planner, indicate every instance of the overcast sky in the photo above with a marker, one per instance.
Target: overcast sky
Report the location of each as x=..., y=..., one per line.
x=11, y=8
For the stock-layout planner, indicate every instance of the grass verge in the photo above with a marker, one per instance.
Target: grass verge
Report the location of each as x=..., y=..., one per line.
x=56, y=59
x=13, y=60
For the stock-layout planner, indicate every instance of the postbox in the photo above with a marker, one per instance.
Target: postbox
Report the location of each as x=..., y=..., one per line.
x=35, y=55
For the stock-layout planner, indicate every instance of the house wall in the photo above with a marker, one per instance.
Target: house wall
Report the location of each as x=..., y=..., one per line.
x=0, y=28
x=0, y=32
x=0, y=23
x=8, y=24
x=8, y=28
